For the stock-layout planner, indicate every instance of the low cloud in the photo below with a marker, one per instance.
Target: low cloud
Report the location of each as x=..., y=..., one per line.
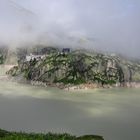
x=111, y=25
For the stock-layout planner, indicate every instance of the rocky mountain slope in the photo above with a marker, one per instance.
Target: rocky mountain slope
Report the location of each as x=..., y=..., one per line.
x=79, y=67
x=3, y=54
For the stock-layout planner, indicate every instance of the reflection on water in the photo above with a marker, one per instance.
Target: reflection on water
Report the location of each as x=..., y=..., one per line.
x=113, y=113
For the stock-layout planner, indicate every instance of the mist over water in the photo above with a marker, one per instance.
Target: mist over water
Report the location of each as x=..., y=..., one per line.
x=112, y=113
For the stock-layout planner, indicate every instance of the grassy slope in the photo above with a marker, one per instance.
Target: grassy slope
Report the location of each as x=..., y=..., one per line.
x=5, y=135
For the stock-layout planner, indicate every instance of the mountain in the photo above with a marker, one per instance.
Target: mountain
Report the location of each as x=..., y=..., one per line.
x=3, y=53
x=79, y=67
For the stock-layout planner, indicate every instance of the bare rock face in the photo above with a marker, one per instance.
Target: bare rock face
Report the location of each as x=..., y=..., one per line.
x=79, y=68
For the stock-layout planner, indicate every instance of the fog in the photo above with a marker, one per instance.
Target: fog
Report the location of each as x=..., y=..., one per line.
x=111, y=25
x=112, y=113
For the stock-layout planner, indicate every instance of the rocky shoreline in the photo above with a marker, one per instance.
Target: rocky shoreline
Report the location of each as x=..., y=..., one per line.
x=68, y=87
x=86, y=86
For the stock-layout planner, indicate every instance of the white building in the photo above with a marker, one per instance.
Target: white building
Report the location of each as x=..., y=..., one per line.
x=31, y=57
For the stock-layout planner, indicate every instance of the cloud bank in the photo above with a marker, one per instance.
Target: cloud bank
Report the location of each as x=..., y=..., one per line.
x=111, y=25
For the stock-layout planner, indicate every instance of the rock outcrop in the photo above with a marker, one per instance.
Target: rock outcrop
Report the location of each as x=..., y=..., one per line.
x=3, y=54
x=77, y=68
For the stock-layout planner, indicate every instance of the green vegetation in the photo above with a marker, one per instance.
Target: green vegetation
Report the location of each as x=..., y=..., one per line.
x=5, y=135
x=3, y=53
x=79, y=67
x=1, y=59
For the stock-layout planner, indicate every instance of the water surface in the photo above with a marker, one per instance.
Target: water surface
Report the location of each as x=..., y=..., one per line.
x=112, y=113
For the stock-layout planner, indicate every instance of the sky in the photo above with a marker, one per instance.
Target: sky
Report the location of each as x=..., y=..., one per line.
x=107, y=25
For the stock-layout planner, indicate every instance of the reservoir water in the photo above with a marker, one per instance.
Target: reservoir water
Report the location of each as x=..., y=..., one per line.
x=112, y=113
